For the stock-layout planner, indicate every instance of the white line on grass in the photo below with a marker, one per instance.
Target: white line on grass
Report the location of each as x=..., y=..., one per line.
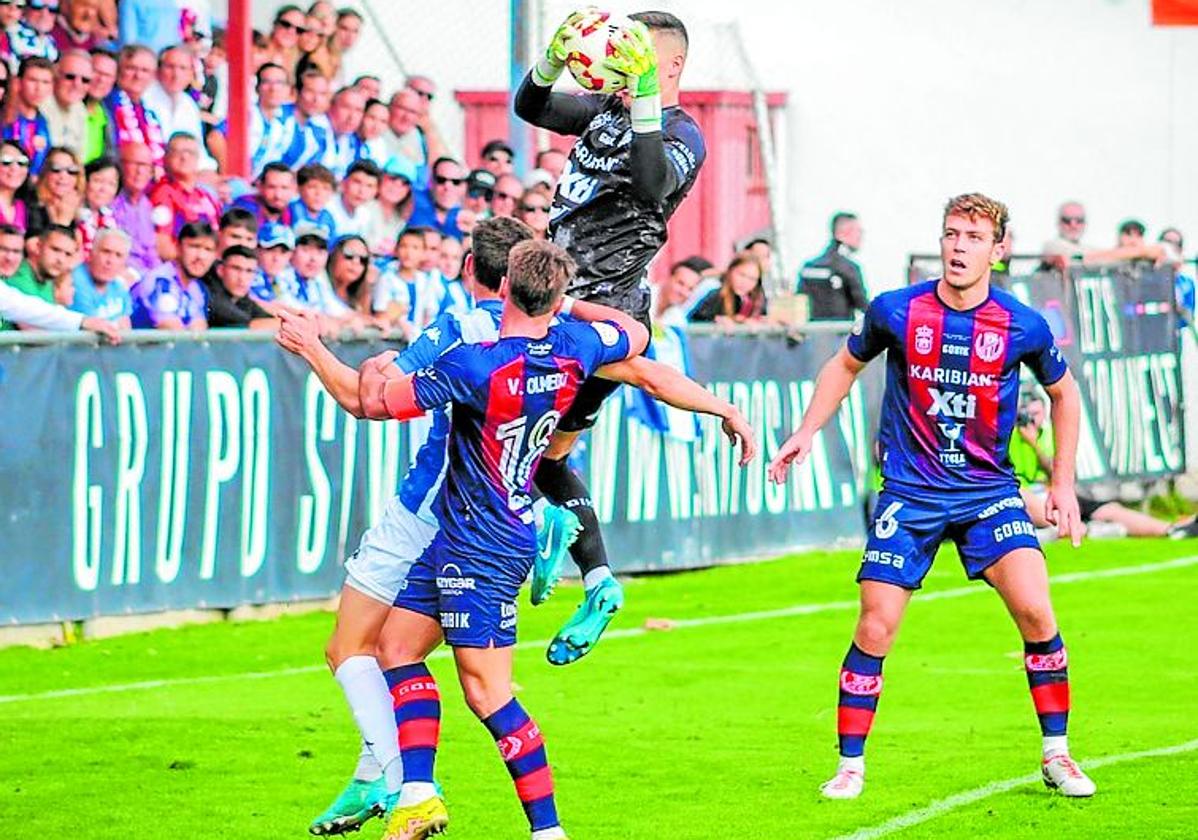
x=942, y=806
x=704, y=621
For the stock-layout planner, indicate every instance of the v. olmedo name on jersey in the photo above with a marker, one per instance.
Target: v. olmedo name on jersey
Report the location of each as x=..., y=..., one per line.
x=952, y=387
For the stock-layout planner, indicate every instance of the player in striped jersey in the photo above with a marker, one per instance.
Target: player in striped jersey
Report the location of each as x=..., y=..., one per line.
x=954, y=347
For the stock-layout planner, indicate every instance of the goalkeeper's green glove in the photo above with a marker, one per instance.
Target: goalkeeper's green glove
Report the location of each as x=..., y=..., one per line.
x=636, y=58
x=550, y=67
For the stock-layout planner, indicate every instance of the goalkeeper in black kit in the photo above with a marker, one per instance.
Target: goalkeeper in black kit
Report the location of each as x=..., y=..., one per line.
x=637, y=155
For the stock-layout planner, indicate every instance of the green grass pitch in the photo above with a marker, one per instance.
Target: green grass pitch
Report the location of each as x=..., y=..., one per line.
x=707, y=730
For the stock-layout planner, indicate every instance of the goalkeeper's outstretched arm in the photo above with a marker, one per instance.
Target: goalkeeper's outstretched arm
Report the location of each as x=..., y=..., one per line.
x=535, y=100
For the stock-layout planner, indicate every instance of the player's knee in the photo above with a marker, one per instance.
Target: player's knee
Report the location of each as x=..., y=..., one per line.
x=395, y=650
x=483, y=698
x=1036, y=622
x=875, y=635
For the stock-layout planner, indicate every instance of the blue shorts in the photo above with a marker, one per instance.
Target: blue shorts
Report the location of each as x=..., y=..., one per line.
x=907, y=530
x=475, y=607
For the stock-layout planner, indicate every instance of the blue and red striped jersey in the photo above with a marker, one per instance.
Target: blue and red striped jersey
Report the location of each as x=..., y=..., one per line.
x=952, y=384
x=507, y=398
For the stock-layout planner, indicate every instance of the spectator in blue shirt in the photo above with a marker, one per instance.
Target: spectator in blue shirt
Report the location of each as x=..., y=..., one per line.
x=26, y=124
x=440, y=210
x=99, y=293
x=316, y=186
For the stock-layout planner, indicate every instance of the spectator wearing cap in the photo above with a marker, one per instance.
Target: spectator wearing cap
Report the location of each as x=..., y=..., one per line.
x=372, y=133
x=99, y=288
x=498, y=158
x=688, y=283
x=345, y=115
x=66, y=115
x=313, y=132
x=229, y=301
x=103, y=79
x=348, y=207
x=78, y=27
x=275, y=189
x=272, y=123
x=130, y=119
x=539, y=180
x=312, y=289
x=25, y=123
x=533, y=210
x=389, y=213
x=31, y=38
x=174, y=296
x=169, y=97
x=552, y=161
x=132, y=210
x=480, y=184
x=275, y=283
x=178, y=198
x=505, y=200
x=316, y=187
x=832, y=281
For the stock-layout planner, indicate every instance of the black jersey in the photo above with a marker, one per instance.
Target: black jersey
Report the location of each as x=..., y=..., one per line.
x=610, y=228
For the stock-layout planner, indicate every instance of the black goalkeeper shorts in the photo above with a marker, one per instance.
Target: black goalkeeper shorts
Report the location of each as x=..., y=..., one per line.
x=582, y=413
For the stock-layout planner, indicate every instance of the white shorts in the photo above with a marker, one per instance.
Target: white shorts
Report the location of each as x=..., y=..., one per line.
x=379, y=567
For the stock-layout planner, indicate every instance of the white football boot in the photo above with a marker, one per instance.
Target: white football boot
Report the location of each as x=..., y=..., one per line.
x=1062, y=773
x=848, y=782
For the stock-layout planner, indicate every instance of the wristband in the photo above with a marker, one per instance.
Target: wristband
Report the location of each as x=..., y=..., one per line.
x=567, y=305
x=545, y=72
x=646, y=114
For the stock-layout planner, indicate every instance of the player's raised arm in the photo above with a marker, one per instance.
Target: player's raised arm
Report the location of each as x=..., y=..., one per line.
x=535, y=101
x=1060, y=507
x=835, y=381
x=299, y=333
x=636, y=58
x=638, y=335
x=679, y=390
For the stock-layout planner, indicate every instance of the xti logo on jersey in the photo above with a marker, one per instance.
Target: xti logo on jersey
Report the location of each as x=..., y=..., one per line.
x=952, y=384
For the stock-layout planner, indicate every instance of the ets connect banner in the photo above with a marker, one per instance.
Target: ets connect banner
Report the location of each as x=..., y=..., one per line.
x=152, y=477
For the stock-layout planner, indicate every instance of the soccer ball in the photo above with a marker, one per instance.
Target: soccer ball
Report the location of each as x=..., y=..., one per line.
x=587, y=52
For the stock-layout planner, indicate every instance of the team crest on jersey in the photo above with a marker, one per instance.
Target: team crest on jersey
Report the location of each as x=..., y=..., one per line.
x=989, y=346
x=434, y=334
x=924, y=336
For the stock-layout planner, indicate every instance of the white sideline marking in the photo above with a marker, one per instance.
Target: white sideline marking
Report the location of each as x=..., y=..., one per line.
x=704, y=621
x=968, y=797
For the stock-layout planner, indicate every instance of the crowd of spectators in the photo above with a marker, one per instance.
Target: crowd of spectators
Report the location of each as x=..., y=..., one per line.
x=116, y=201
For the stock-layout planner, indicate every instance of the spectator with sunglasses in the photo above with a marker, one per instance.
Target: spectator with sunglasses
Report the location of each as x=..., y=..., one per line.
x=480, y=186
x=169, y=97
x=352, y=278
x=79, y=26
x=534, y=212
x=31, y=37
x=66, y=115
x=132, y=209
x=440, y=210
x=289, y=25
x=25, y=123
x=1068, y=247
x=14, y=185
x=59, y=193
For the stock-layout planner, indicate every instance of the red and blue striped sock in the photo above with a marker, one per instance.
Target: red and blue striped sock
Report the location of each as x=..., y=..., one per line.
x=1047, y=668
x=417, y=703
x=523, y=750
x=860, y=687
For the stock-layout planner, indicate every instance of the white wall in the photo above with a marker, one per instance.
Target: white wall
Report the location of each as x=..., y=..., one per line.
x=897, y=105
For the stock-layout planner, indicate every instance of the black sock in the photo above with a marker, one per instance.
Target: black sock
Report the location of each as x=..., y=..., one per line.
x=562, y=487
